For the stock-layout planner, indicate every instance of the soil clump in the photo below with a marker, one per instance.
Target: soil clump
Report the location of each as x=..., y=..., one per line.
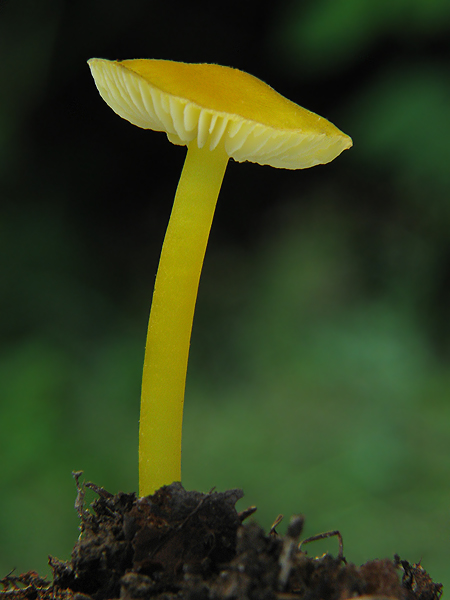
x=186, y=545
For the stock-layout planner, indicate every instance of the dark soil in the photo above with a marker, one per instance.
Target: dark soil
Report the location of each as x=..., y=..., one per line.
x=193, y=546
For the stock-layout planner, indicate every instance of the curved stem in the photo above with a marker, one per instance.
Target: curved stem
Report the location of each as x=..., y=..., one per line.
x=171, y=316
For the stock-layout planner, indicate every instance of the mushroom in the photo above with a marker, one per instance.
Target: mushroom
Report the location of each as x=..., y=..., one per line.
x=217, y=112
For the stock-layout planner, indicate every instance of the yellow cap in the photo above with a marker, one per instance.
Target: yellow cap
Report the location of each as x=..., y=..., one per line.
x=215, y=104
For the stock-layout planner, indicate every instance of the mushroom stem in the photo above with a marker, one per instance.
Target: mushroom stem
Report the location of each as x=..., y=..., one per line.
x=171, y=316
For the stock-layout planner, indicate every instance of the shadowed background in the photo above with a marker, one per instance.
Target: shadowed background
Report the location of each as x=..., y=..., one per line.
x=319, y=377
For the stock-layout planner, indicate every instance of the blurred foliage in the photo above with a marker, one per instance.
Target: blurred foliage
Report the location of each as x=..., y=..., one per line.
x=327, y=35
x=319, y=378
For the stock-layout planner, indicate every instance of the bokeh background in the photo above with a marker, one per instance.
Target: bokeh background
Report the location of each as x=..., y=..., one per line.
x=319, y=378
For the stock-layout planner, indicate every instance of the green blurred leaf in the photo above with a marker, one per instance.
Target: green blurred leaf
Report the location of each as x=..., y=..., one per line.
x=402, y=124
x=326, y=34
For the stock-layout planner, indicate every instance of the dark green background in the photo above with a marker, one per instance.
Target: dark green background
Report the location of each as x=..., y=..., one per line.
x=319, y=378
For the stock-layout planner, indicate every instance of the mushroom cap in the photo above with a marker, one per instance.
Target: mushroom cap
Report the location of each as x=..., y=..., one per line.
x=215, y=104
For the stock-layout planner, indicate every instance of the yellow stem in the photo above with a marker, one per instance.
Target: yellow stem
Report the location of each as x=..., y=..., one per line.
x=171, y=316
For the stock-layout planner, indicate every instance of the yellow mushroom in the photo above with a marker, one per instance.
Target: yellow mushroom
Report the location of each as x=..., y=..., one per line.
x=218, y=113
